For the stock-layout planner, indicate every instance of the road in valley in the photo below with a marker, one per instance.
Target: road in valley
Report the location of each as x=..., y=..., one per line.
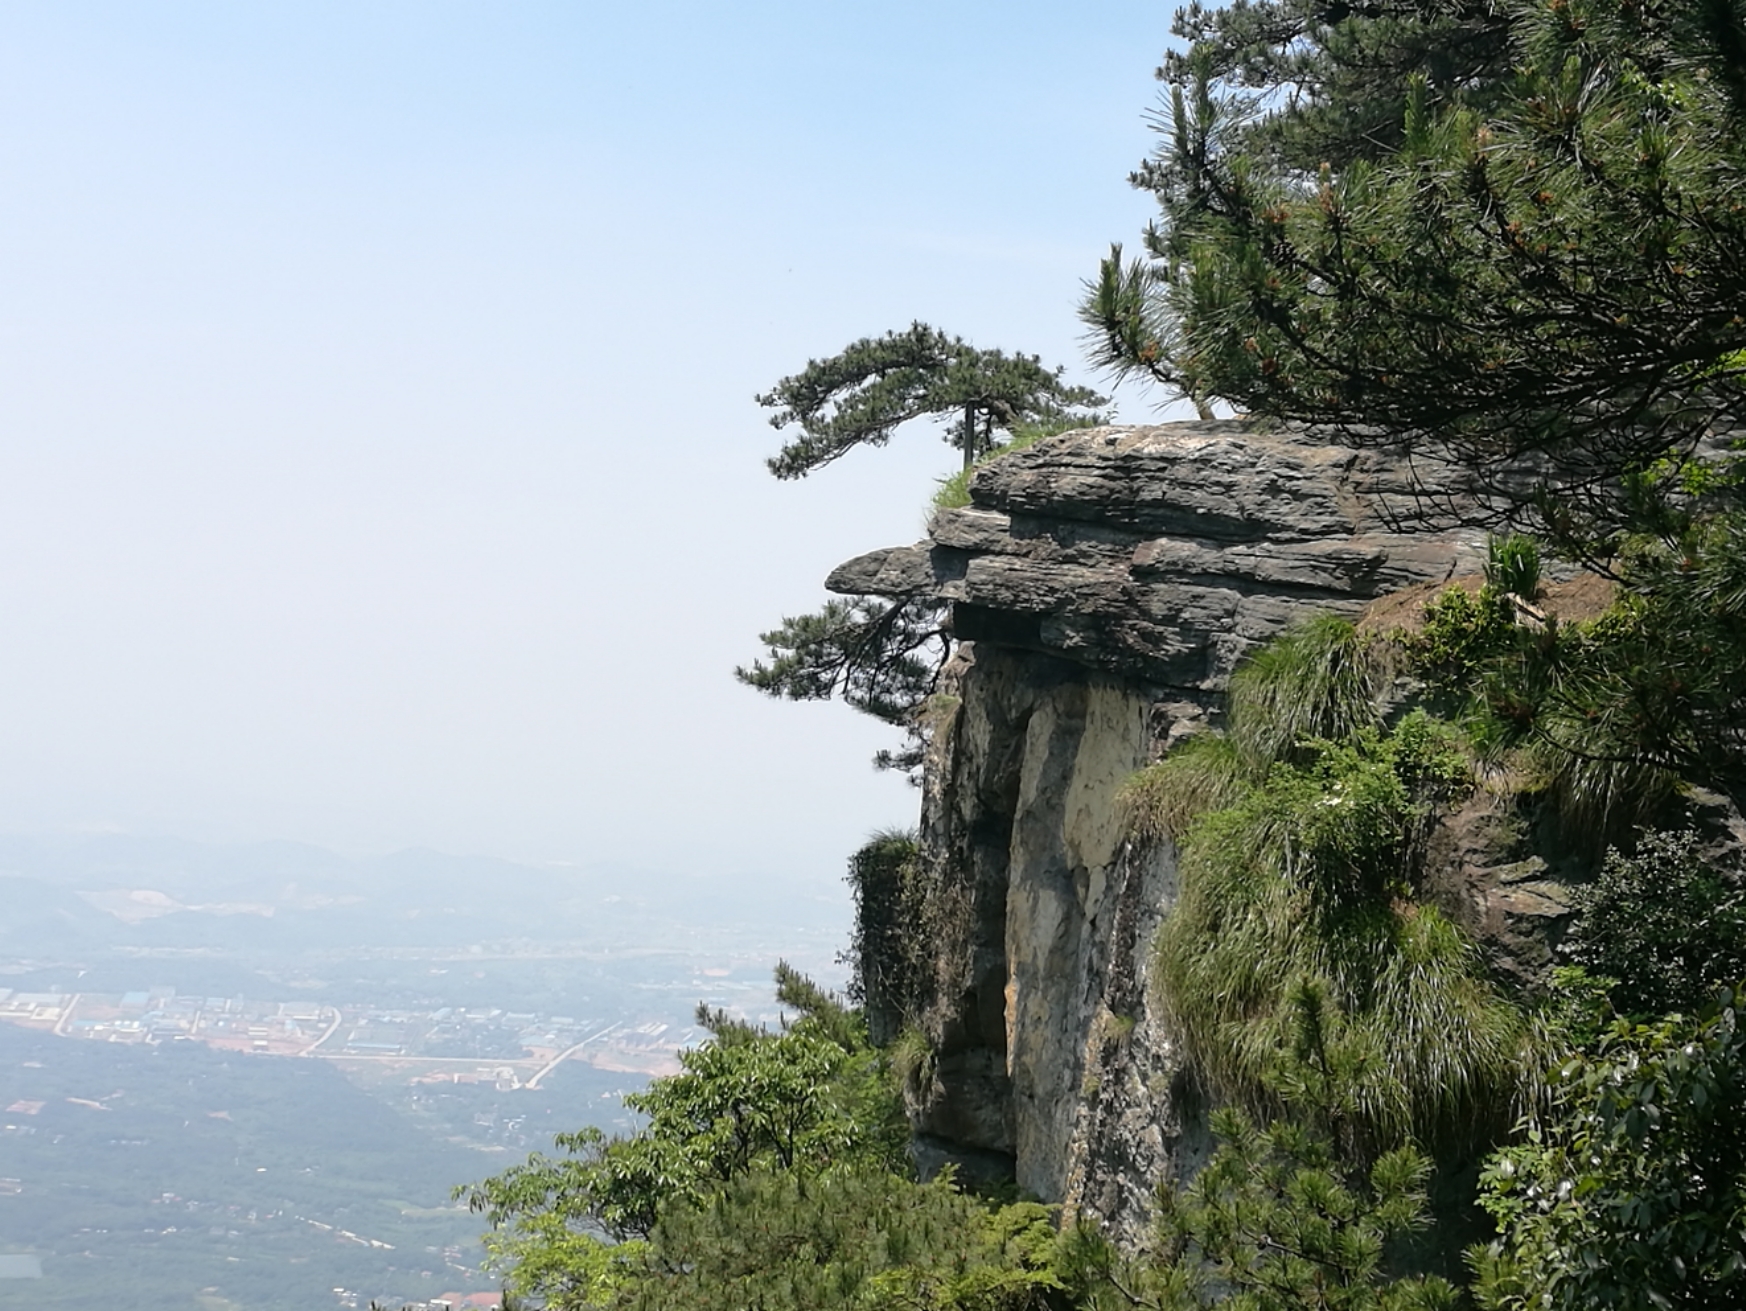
x=568, y=1052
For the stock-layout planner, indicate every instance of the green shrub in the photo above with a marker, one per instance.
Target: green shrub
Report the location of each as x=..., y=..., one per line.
x=1205, y=772
x=1299, y=834
x=1661, y=926
x=1513, y=565
x=1525, y=699
x=1628, y=1192
x=812, y=1099
x=1617, y=709
x=1463, y=633
x=1318, y=682
x=849, y=1240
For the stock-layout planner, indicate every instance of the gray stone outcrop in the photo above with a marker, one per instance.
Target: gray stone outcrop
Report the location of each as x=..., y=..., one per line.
x=1165, y=553
x=1103, y=585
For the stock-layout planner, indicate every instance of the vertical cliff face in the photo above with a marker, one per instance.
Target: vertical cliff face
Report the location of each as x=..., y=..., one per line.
x=1067, y=1068
x=1103, y=586
x=1020, y=808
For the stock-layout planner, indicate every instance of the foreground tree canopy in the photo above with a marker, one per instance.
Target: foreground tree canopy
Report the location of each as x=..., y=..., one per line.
x=1632, y=1193
x=768, y=1176
x=1512, y=237
x=1497, y=232
x=771, y=1173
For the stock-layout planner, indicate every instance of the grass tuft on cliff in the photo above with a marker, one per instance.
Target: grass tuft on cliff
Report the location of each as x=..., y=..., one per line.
x=1207, y=772
x=1302, y=886
x=1300, y=832
x=1318, y=679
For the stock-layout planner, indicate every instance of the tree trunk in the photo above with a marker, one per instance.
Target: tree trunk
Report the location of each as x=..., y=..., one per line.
x=969, y=435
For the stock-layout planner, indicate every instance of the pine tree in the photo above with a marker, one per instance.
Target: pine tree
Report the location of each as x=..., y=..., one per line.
x=1537, y=272
x=1515, y=237
x=884, y=657
x=874, y=386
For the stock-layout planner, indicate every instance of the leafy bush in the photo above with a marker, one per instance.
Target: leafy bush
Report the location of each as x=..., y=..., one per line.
x=1631, y=1192
x=1521, y=698
x=856, y=1239
x=1463, y=633
x=1617, y=708
x=808, y=1100
x=1660, y=926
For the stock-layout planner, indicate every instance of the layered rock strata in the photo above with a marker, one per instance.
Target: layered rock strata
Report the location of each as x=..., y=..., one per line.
x=1103, y=585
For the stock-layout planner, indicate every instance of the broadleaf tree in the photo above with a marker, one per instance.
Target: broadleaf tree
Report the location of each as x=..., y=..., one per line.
x=1660, y=929
x=1631, y=1191
x=772, y=1172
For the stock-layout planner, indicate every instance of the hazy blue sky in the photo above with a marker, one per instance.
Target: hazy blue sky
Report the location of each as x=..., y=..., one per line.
x=378, y=464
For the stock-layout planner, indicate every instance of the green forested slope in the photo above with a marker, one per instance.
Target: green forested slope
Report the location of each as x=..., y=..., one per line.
x=203, y=1171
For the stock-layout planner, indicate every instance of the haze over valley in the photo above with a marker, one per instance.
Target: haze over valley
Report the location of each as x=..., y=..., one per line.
x=260, y=1070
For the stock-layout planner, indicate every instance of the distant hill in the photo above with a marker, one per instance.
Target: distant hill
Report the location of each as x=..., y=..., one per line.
x=117, y=890
x=36, y=915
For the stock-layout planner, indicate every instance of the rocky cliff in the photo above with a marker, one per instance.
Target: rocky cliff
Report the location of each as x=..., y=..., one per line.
x=1103, y=585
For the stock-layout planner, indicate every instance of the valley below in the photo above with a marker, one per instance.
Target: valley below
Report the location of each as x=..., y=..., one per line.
x=261, y=1092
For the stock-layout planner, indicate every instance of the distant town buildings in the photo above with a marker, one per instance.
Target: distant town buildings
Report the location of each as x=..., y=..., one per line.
x=447, y=1044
